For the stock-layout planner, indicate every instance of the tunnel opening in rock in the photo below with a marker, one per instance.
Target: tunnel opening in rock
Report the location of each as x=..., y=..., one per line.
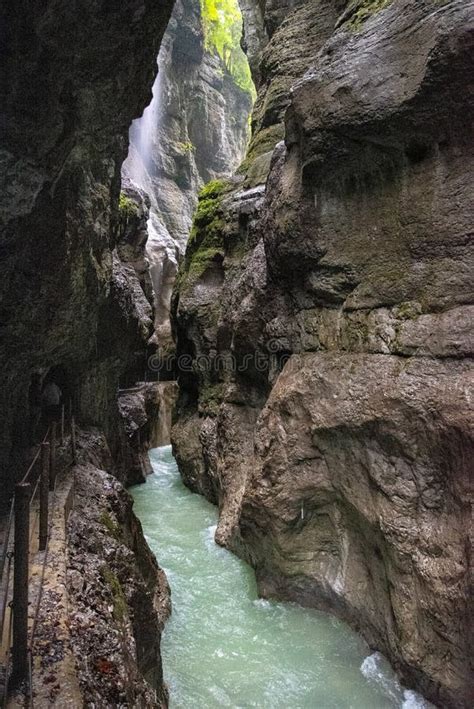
x=50, y=393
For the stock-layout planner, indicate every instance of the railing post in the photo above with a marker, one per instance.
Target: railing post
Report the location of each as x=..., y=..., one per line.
x=62, y=423
x=20, y=583
x=73, y=441
x=44, y=496
x=52, y=451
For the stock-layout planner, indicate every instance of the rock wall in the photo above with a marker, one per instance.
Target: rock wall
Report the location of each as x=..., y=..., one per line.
x=325, y=306
x=195, y=129
x=145, y=423
x=72, y=80
x=118, y=597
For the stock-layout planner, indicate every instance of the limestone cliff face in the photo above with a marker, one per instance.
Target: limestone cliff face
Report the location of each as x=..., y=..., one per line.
x=73, y=78
x=118, y=597
x=195, y=129
x=145, y=423
x=328, y=289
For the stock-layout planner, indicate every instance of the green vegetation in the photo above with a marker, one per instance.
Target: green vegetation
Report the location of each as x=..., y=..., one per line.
x=262, y=142
x=409, y=310
x=206, y=241
x=112, y=527
x=211, y=397
x=127, y=207
x=222, y=23
x=360, y=10
x=118, y=597
x=207, y=224
x=214, y=189
x=201, y=261
x=187, y=147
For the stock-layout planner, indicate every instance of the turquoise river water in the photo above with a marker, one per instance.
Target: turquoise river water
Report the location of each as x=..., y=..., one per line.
x=225, y=647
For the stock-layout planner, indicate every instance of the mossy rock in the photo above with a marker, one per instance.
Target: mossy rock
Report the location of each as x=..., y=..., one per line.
x=263, y=142
x=259, y=170
x=206, y=242
x=359, y=11
x=211, y=397
x=201, y=261
x=120, y=607
x=112, y=527
x=127, y=207
x=215, y=189
x=186, y=147
x=409, y=310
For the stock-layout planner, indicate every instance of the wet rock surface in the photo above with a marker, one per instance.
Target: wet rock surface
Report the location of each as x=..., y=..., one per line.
x=328, y=408
x=195, y=130
x=119, y=597
x=145, y=414
x=69, y=90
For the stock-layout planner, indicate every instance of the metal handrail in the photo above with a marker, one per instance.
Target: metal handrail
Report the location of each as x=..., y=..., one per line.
x=6, y=563
x=5, y=594
x=35, y=459
x=7, y=662
x=11, y=513
x=133, y=389
x=7, y=540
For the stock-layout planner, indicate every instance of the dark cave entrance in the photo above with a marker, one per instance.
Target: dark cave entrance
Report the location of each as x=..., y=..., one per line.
x=49, y=391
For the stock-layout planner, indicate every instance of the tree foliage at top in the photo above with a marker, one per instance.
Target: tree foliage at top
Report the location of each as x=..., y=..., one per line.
x=222, y=22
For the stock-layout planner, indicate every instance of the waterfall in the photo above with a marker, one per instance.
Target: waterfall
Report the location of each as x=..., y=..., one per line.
x=194, y=130
x=140, y=169
x=142, y=132
x=166, y=394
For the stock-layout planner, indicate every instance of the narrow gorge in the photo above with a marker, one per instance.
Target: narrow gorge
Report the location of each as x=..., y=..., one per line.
x=236, y=278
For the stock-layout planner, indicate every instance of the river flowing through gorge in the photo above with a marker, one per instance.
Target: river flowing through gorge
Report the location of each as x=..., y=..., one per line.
x=262, y=255
x=225, y=647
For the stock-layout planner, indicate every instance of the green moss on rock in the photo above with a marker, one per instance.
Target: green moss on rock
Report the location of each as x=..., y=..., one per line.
x=214, y=189
x=210, y=398
x=359, y=11
x=201, y=261
x=262, y=142
x=112, y=527
x=127, y=207
x=409, y=310
x=206, y=242
x=118, y=597
x=186, y=147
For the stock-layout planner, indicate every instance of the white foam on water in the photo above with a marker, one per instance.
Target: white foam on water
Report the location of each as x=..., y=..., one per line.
x=262, y=603
x=210, y=537
x=212, y=531
x=377, y=669
x=221, y=696
x=413, y=700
